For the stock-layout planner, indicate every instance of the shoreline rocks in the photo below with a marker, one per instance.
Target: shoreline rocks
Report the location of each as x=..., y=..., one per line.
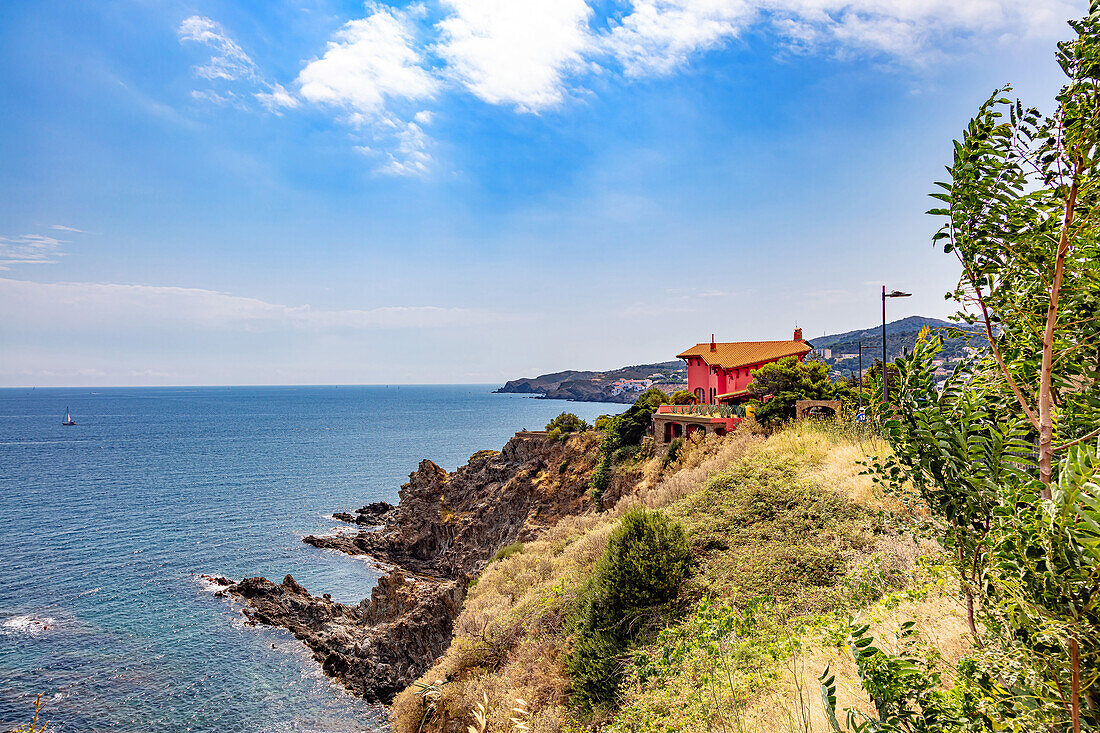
x=375, y=648
x=443, y=532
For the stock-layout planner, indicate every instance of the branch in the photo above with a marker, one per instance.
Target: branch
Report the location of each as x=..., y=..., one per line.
x=1031, y=415
x=1072, y=443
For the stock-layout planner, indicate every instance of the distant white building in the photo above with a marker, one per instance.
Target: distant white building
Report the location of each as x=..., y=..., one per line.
x=630, y=385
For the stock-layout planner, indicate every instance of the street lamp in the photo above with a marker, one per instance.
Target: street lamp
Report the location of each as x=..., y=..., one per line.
x=861, y=348
x=885, y=381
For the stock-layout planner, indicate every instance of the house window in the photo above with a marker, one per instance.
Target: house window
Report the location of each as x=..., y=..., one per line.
x=713, y=394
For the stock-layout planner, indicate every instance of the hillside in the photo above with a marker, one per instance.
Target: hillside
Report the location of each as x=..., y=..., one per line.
x=582, y=386
x=839, y=350
x=787, y=538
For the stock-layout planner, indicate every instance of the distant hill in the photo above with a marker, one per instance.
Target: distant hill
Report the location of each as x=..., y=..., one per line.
x=601, y=386
x=838, y=350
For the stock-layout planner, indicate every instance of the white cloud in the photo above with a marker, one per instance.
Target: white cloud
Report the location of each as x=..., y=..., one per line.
x=231, y=70
x=409, y=157
x=369, y=62
x=120, y=306
x=657, y=37
x=533, y=55
x=63, y=228
x=227, y=60
x=29, y=249
x=516, y=52
x=277, y=99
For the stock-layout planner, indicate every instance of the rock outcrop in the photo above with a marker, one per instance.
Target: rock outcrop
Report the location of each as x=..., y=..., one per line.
x=444, y=531
x=375, y=648
x=372, y=515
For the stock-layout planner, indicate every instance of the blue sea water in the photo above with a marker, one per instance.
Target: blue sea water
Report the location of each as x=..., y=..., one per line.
x=105, y=526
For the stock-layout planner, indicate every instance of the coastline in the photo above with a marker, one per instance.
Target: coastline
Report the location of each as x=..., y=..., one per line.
x=444, y=531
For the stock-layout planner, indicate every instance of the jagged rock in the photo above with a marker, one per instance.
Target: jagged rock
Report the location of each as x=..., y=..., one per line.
x=445, y=529
x=452, y=523
x=373, y=515
x=376, y=648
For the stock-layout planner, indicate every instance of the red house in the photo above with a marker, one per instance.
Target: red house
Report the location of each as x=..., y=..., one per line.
x=719, y=373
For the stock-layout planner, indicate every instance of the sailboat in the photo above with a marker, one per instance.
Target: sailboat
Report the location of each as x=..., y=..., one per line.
x=68, y=418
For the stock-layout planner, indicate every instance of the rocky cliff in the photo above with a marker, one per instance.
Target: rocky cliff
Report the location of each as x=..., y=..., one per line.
x=444, y=531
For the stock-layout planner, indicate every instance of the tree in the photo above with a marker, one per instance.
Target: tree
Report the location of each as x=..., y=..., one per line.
x=1022, y=219
x=624, y=432
x=682, y=397
x=1001, y=456
x=564, y=424
x=780, y=384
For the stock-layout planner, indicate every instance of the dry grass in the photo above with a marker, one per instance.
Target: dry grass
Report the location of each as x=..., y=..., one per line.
x=942, y=625
x=698, y=461
x=510, y=639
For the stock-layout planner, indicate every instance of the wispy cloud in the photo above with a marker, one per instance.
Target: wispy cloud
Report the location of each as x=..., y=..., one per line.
x=150, y=306
x=277, y=99
x=234, y=77
x=29, y=249
x=227, y=59
x=63, y=228
x=410, y=155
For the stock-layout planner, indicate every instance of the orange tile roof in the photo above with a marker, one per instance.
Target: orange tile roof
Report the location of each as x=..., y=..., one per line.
x=736, y=354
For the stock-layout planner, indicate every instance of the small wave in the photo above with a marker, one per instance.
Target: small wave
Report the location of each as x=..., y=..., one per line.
x=26, y=625
x=212, y=583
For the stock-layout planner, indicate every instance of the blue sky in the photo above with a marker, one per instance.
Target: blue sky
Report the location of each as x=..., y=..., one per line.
x=474, y=190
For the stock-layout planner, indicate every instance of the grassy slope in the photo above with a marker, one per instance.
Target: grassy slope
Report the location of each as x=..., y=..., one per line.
x=789, y=518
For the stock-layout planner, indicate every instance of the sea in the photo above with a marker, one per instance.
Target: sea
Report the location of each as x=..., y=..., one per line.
x=107, y=526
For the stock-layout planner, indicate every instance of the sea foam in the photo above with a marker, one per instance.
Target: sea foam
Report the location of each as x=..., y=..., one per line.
x=26, y=625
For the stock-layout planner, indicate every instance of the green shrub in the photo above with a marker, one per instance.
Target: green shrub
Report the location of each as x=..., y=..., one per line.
x=682, y=397
x=507, y=551
x=631, y=426
x=601, y=477
x=622, y=435
x=566, y=423
x=673, y=450
x=646, y=560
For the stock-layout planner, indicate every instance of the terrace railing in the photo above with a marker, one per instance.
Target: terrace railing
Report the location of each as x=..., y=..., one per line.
x=704, y=410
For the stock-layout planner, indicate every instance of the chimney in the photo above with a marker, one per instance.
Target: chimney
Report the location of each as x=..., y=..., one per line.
x=798, y=334
x=713, y=346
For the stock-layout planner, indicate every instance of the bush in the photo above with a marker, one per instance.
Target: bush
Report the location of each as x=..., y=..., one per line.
x=507, y=551
x=682, y=397
x=630, y=427
x=673, y=450
x=624, y=431
x=601, y=477
x=646, y=560
x=566, y=423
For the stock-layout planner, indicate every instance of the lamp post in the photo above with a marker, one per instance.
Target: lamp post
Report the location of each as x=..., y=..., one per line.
x=861, y=348
x=885, y=380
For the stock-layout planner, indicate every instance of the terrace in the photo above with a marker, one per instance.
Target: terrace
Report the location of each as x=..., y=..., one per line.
x=683, y=421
